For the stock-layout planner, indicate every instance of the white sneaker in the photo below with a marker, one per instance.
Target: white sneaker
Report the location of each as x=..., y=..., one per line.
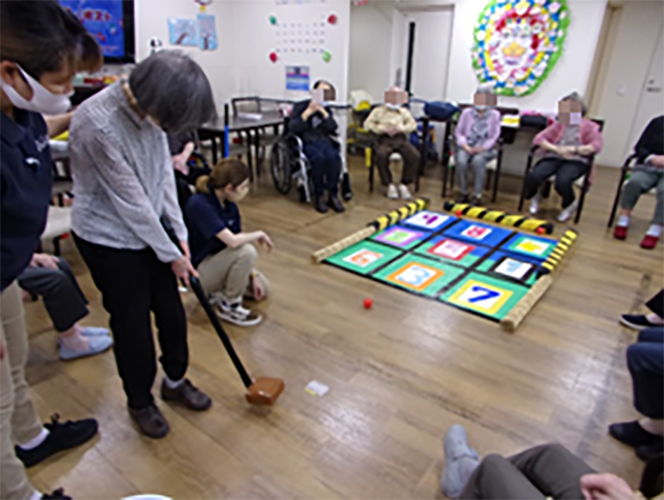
x=392, y=192
x=237, y=314
x=535, y=204
x=404, y=193
x=566, y=213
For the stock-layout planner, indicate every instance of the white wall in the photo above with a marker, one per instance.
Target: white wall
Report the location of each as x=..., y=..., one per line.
x=152, y=21
x=636, y=30
x=370, y=43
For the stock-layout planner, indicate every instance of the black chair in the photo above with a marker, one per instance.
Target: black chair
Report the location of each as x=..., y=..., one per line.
x=493, y=167
x=583, y=182
x=652, y=478
x=624, y=171
x=256, y=105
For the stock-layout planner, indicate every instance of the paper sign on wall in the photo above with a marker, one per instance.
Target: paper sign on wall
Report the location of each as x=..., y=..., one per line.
x=297, y=78
x=207, y=32
x=182, y=32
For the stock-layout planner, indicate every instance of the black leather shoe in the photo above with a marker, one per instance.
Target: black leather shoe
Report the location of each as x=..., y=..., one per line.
x=336, y=204
x=150, y=421
x=61, y=437
x=321, y=205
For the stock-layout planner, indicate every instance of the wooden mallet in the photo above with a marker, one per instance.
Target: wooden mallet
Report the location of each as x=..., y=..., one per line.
x=263, y=391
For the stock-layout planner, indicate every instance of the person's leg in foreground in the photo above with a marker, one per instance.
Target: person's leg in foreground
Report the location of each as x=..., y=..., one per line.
x=641, y=182
x=382, y=150
x=227, y=276
x=544, y=169
x=19, y=422
x=567, y=173
x=66, y=306
x=653, y=318
x=411, y=164
x=645, y=360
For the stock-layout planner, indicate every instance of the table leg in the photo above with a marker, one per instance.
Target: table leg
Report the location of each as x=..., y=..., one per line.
x=214, y=149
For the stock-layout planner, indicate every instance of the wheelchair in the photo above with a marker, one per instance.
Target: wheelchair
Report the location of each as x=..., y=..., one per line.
x=289, y=165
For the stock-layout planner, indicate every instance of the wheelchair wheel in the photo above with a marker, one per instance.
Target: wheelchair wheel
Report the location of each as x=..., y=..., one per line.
x=280, y=165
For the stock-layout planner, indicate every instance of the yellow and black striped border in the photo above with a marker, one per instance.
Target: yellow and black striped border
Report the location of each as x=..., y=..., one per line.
x=399, y=214
x=568, y=239
x=497, y=217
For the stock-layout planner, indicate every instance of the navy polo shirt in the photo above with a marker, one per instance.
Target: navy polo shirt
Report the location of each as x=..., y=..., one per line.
x=206, y=216
x=25, y=190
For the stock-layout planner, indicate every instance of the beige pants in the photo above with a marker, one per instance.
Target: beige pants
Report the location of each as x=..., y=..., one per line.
x=19, y=421
x=229, y=272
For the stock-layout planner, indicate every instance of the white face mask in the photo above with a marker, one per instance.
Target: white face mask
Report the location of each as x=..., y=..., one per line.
x=575, y=118
x=393, y=107
x=43, y=100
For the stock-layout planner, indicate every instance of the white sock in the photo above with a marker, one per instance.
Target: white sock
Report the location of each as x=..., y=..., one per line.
x=623, y=220
x=173, y=384
x=35, y=441
x=654, y=230
x=36, y=495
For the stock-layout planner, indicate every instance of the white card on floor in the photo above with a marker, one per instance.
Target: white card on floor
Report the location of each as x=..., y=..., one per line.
x=315, y=388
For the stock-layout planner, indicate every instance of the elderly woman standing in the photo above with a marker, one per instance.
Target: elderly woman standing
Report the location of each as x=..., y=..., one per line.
x=568, y=143
x=476, y=135
x=125, y=196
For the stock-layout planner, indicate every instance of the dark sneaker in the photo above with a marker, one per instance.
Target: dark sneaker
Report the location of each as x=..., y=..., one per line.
x=647, y=452
x=238, y=315
x=61, y=437
x=187, y=395
x=150, y=421
x=636, y=321
x=462, y=198
x=632, y=434
x=346, y=191
x=58, y=494
x=321, y=204
x=336, y=204
x=476, y=201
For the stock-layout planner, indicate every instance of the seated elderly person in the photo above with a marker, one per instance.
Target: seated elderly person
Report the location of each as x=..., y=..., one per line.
x=476, y=135
x=568, y=145
x=313, y=122
x=51, y=278
x=393, y=123
x=648, y=173
x=547, y=471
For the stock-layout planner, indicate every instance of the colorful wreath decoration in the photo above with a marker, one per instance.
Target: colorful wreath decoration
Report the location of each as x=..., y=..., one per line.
x=518, y=42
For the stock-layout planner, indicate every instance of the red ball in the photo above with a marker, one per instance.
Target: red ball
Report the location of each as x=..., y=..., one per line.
x=273, y=57
x=458, y=213
x=332, y=19
x=540, y=230
x=368, y=303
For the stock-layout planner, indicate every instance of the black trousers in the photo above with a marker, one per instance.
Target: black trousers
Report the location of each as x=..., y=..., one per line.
x=325, y=162
x=566, y=172
x=62, y=296
x=544, y=471
x=134, y=283
x=645, y=360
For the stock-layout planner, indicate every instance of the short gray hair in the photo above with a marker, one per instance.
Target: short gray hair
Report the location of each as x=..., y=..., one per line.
x=485, y=88
x=172, y=88
x=575, y=96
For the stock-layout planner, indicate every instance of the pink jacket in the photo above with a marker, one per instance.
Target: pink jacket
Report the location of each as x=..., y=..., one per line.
x=589, y=130
x=466, y=120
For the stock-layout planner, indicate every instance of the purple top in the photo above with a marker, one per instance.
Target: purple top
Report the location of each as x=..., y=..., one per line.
x=462, y=130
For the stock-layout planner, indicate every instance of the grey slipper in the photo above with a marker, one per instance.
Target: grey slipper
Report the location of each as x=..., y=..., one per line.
x=460, y=462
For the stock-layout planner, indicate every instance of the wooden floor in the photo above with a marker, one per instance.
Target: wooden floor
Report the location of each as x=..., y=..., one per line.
x=399, y=374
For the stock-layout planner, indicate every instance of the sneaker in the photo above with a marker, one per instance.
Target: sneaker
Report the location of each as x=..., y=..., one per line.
x=321, y=204
x=392, y=192
x=187, y=395
x=566, y=213
x=238, y=315
x=404, y=193
x=535, y=204
x=620, y=232
x=346, y=191
x=336, y=204
x=150, y=421
x=637, y=321
x=460, y=462
x=58, y=494
x=476, y=201
x=96, y=345
x=649, y=242
x=632, y=434
x=61, y=437
x=462, y=198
